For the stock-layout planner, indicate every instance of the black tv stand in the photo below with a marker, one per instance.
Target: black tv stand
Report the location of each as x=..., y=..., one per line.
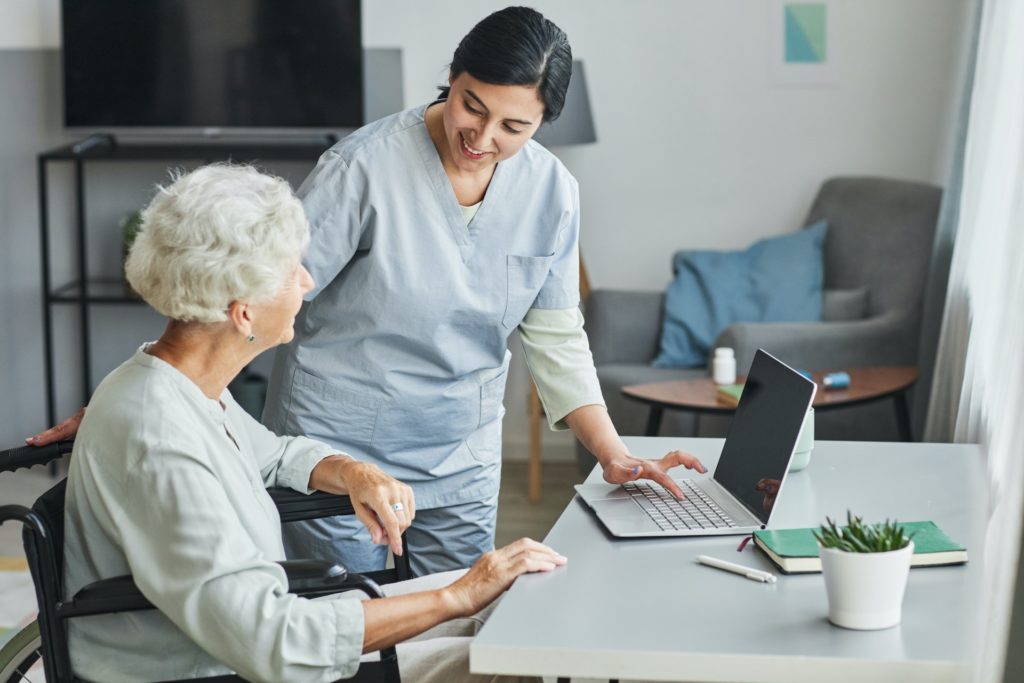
x=86, y=290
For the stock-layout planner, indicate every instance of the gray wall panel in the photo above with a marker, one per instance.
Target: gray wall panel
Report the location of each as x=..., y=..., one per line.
x=29, y=122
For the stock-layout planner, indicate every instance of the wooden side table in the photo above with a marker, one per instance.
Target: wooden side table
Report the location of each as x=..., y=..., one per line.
x=701, y=395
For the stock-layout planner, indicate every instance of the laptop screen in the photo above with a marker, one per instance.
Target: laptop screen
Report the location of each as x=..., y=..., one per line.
x=763, y=433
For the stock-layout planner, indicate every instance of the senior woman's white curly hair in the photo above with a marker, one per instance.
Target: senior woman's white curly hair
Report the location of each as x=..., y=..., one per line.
x=219, y=234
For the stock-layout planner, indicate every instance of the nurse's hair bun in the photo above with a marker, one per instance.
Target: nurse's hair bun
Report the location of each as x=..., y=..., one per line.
x=219, y=234
x=517, y=46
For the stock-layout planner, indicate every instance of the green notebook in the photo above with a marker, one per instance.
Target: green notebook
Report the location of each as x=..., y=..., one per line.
x=730, y=394
x=795, y=551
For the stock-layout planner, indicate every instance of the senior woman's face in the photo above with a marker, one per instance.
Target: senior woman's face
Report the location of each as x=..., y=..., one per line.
x=274, y=320
x=486, y=123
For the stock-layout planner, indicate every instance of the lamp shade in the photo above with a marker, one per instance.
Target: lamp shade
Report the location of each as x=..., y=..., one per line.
x=575, y=126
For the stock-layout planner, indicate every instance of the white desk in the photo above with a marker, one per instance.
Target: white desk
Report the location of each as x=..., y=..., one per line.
x=643, y=609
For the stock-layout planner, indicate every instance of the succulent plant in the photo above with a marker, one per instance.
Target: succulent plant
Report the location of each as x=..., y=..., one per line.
x=130, y=224
x=858, y=537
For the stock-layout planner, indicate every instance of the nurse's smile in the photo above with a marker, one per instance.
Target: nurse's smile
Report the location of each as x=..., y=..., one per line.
x=469, y=151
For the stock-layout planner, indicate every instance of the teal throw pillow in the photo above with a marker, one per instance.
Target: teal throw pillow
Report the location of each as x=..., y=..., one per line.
x=775, y=280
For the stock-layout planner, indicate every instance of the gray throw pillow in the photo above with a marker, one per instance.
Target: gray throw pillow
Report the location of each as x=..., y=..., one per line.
x=844, y=304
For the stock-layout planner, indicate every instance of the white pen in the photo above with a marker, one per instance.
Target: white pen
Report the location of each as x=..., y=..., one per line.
x=749, y=572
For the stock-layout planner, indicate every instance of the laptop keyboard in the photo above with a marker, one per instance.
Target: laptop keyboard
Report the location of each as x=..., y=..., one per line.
x=695, y=511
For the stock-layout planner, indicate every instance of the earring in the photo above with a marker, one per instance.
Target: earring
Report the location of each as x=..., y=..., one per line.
x=251, y=338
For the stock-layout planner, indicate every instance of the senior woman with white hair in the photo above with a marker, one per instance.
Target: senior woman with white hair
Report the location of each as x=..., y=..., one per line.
x=168, y=474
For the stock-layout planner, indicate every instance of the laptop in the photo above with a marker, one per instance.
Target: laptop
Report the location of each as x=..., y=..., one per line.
x=742, y=492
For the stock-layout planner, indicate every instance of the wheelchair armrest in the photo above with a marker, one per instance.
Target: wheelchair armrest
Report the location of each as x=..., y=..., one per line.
x=308, y=578
x=118, y=594
x=294, y=506
x=28, y=456
x=312, y=578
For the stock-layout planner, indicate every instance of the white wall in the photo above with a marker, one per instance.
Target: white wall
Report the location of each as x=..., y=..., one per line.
x=696, y=146
x=29, y=24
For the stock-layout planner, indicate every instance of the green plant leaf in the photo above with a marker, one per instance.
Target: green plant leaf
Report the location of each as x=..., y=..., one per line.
x=858, y=537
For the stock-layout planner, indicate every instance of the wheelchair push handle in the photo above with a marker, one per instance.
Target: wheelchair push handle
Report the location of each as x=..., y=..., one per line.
x=28, y=456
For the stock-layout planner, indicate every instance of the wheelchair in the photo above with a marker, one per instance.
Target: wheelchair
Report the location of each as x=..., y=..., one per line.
x=43, y=536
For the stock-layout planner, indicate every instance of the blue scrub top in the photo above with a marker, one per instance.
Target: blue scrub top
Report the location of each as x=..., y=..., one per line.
x=401, y=353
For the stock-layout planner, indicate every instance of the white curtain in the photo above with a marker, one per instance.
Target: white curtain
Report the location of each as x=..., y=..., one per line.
x=980, y=368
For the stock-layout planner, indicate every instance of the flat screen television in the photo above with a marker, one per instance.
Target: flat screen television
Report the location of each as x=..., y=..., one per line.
x=212, y=64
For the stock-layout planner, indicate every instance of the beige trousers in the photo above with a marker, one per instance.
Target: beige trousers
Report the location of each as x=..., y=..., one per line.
x=441, y=654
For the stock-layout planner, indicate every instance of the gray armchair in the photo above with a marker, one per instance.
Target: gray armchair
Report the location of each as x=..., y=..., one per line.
x=876, y=252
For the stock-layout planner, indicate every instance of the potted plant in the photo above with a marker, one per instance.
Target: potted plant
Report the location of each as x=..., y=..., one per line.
x=130, y=224
x=865, y=568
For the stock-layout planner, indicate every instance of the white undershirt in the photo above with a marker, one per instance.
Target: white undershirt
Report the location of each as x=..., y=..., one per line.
x=468, y=212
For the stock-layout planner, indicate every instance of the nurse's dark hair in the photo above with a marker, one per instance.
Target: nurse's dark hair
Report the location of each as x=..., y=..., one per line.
x=517, y=46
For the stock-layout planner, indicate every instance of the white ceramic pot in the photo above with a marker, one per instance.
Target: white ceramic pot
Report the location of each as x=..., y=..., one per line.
x=865, y=590
x=804, y=444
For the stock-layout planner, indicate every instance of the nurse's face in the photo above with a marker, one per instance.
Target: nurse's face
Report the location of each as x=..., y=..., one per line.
x=274, y=320
x=486, y=123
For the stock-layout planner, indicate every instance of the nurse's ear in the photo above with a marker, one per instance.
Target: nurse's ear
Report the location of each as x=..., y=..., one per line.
x=240, y=317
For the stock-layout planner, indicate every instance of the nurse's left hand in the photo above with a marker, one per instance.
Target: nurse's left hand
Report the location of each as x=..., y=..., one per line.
x=627, y=468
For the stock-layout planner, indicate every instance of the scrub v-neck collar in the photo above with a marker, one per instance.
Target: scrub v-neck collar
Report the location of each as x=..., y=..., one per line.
x=463, y=234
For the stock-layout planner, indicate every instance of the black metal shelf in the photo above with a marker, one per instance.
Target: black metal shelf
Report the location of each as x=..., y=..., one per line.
x=304, y=150
x=105, y=291
x=97, y=291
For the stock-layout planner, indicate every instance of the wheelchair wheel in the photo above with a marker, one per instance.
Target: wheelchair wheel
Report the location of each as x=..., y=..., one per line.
x=20, y=655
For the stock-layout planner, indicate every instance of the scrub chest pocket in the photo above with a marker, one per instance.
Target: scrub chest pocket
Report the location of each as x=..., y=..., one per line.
x=526, y=276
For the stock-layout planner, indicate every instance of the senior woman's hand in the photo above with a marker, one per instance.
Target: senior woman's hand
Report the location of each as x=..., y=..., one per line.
x=383, y=504
x=495, y=571
x=397, y=618
x=65, y=430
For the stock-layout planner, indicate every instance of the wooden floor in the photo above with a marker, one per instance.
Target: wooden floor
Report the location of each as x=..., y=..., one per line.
x=517, y=516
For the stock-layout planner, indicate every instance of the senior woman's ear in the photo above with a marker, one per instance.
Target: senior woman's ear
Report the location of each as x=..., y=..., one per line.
x=240, y=318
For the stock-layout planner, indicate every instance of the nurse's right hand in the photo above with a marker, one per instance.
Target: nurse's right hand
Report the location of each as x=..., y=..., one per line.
x=495, y=571
x=65, y=430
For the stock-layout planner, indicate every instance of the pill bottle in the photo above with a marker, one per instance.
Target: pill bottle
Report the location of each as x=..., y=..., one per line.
x=723, y=366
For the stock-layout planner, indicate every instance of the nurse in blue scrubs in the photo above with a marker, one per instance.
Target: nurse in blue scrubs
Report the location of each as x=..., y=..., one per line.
x=435, y=233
